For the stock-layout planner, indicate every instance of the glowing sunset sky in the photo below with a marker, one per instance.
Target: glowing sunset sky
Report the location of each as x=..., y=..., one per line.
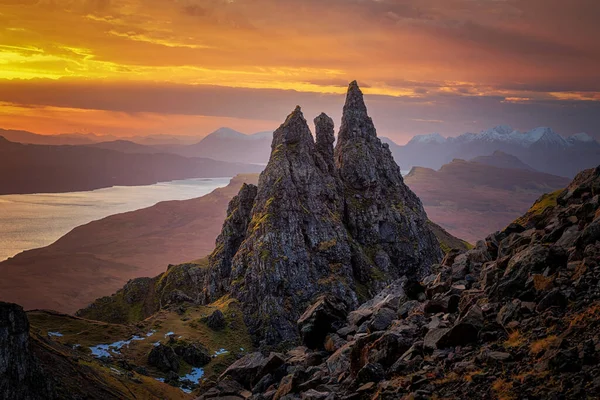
x=133, y=67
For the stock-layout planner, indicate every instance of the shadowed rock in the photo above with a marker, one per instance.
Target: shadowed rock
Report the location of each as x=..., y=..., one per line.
x=382, y=213
x=20, y=374
x=325, y=139
x=312, y=231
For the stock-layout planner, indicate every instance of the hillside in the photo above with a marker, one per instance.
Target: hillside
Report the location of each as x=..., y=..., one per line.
x=28, y=168
x=90, y=262
x=466, y=199
x=20, y=136
x=471, y=199
x=502, y=160
x=125, y=146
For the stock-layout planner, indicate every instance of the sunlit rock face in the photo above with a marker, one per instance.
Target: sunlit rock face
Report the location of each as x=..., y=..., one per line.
x=320, y=221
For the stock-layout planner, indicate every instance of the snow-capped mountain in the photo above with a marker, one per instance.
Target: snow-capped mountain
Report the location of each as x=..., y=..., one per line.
x=504, y=134
x=425, y=139
x=581, y=138
x=541, y=148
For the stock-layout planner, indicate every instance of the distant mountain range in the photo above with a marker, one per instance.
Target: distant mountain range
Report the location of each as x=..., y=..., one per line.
x=30, y=168
x=126, y=146
x=501, y=159
x=226, y=144
x=541, y=148
x=66, y=138
x=27, y=137
x=472, y=198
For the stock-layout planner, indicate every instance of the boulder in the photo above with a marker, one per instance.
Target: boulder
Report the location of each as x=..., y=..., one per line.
x=446, y=304
x=326, y=315
x=339, y=362
x=163, y=358
x=382, y=319
x=226, y=389
x=465, y=330
x=408, y=307
x=388, y=348
x=433, y=336
x=371, y=372
x=555, y=298
x=216, y=321
x=534, y=259
x=195, y=354
x=250, y=368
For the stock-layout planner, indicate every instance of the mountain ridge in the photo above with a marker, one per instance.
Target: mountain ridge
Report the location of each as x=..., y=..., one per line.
x=541, y=148
x=24, y=168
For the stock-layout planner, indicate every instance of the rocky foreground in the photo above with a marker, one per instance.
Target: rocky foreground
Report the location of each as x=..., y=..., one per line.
x=515, y=318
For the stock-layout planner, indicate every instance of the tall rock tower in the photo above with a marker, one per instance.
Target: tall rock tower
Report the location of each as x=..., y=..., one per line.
x=320, y=221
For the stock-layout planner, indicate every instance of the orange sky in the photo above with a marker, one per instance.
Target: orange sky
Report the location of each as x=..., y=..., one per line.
x=136, y=67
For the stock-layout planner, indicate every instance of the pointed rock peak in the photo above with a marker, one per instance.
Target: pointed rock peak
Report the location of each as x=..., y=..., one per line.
x=325, y=138
x=293, y=131
x=295, y=115
x=356, y=122
x=324, y=129
x=354, y=99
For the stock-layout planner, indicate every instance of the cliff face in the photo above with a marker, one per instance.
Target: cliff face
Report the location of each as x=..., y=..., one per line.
x=321, y=221
x=20, y=375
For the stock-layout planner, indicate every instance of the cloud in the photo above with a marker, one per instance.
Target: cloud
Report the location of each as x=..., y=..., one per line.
x=396, y=117
x=469, y=63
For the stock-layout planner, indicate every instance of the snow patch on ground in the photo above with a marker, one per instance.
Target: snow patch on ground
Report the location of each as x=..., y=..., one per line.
x=221, y=351
x=107, y=350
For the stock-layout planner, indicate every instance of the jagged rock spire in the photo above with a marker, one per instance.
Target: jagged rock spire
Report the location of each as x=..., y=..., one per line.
x=325, y=139
x=322, y=221
x=355, y=119
x=382, y=213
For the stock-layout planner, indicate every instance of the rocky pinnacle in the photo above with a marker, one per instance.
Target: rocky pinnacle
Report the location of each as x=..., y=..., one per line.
x=325, y=139
x=322, y=221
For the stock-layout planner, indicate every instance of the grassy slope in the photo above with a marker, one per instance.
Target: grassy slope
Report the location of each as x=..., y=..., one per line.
x=186, y=323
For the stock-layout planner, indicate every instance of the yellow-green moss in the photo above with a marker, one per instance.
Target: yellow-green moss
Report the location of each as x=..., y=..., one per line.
x=545, y=202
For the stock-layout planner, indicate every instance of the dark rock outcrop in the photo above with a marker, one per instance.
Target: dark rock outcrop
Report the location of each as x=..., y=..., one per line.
x=163, y=358
x=382, y=214
x=239, y=213
x=21, y=377
x=321, y=221
x=216, y=321
x=195, y=354
x=252, y=367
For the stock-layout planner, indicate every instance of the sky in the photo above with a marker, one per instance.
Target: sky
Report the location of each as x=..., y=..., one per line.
x=187, y=67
